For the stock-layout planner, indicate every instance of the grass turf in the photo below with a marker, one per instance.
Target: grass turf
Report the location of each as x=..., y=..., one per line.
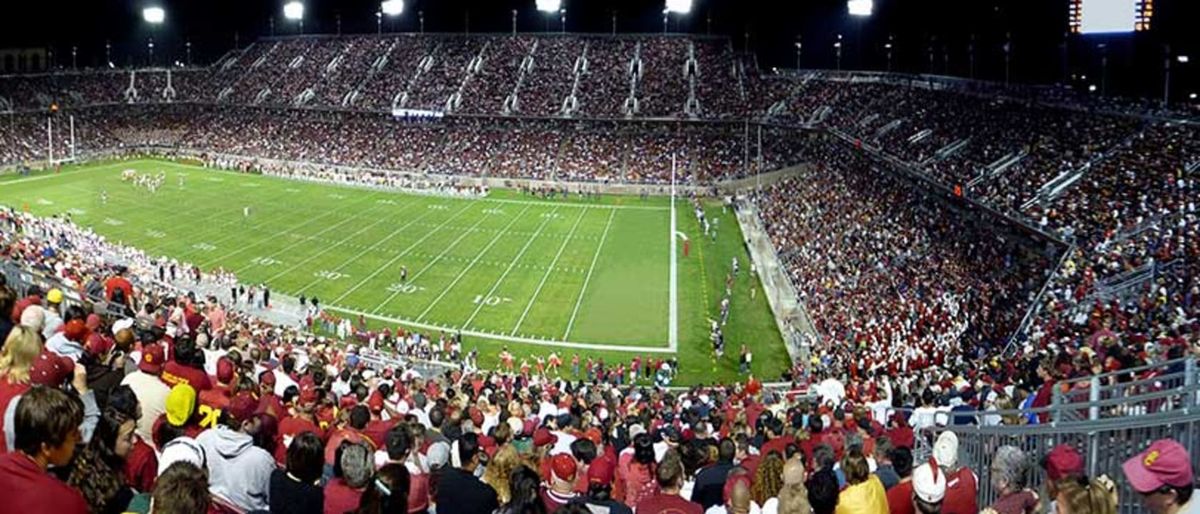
x=591, y=271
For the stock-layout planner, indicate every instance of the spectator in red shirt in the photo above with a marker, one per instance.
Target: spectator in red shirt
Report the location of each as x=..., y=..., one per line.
x=351, y=475
x=47, y=429
x=669, y=476
x=218, y=397
x=300, y=420
x=961, y=484
x=899, y=497
x=116, y=283
x=186, y=367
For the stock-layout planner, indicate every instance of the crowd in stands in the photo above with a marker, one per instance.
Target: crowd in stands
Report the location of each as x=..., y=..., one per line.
x=192, y=406
x=550, y=78
x=490, y=88
x=605, y=86
x=662, y=86
x=380, y=89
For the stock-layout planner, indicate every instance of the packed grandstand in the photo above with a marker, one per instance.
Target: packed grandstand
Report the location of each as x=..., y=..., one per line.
x=971, y=257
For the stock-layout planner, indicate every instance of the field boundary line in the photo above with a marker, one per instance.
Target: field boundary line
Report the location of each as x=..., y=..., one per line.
x=475, y=261
x=579, y=301
x=504, y=338
x=393, y=260
x=512, y=264
x=549, y=270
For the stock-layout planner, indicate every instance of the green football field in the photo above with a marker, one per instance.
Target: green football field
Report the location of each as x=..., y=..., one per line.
x=588, y=276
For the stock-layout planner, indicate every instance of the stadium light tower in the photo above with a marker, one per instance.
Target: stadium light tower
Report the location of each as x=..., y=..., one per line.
x=677, y=7
x=837, y=48
x=549, y=8
x=154, y=15
x=294, y=10
x=860, y=7
x=390, y=9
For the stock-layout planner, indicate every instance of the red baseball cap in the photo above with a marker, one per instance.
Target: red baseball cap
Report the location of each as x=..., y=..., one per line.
x=152, y=359
x=563, y=466
x=1164, y=463
x=308, y=395
x=543, y=437
x=267, y=378
x=600, y=471
x=224, y=370
x=99, y=345
x=1063, y=461
x=51, y=369
x=593, y=434
x=242, y=407
x=75, y=330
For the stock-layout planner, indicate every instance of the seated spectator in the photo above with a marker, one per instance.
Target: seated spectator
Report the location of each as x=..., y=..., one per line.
x=561, y=489
x=21, y=349
x=296, y=489
x=710, y=482
x=793, y=495
x=823, y=491
x=239, y=472
x=768, y=480
x=47, y=429
x=151, y=392
x=864, y=493
x=599, y=499
x=389, y=494
x=524, y=493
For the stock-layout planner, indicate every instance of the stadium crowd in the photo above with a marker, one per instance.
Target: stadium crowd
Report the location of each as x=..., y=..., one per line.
x=191, y=406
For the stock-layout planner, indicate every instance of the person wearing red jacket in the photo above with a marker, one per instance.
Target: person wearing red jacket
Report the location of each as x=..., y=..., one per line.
x=47, y=430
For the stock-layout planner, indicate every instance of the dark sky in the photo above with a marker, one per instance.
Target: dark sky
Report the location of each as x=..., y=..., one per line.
x=1037, y=30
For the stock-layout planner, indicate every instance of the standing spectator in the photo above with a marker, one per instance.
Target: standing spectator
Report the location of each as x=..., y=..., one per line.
x=737, y=498
x=669, y=476
x=239, y=472
x=710, y=482
x=98, y=469
x=793, y=496
x=864, y=492
x=21, y=349
x=47, y=429
x=823, y=491
x=1062, y=463
x=182, y=489
x=599, y=495
x=7, y=299
x=900, y=496
x=636, y=470
x=561, y=489
x=884, y=469
x=297, y=488
x=390, y=493
x=929, y=489
x=524, y=494
x=768, y=480
x=1009, y=475
x=458, y=490
x=1163, y=476
x=353, y=472
x=961, y=484
x=150, y=391
x=54, y=320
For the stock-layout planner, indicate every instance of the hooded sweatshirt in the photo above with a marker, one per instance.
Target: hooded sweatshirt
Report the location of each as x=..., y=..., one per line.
x=58, y=343
x=238, y=471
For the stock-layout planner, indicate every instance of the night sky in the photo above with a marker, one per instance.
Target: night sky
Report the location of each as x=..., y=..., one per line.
x=1037, y=27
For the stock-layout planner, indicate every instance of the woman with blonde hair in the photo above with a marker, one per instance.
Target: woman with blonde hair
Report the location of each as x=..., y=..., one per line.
x=1078, y=496
x=793, y=496
x=21, y=348
x=768, y=479
x=499, y=471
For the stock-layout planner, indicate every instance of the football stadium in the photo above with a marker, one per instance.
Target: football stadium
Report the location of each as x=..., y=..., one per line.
x=681, y=256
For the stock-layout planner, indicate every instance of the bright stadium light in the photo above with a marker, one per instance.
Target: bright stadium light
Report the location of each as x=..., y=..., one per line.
x=549, y=6
x=1183, y=59
x=860, y=7
x=679, y=6
x=392, y=7
x=293, y=10
x=155, y=15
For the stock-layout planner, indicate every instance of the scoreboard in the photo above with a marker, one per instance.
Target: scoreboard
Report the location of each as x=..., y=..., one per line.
x=1110, y=16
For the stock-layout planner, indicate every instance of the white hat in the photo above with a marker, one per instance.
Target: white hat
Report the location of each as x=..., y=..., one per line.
x=636, y=430
x=945, y=449
x=34, y=317
x=438, y=454
x=929, y=482
x=181, y=449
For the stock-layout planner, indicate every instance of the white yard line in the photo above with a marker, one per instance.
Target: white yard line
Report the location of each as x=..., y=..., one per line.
x=330, y=247
x=545, y=276
x=673, y=306
x=292, y=245
x=511, y=265
x=563, y=204
x=398, y=256
x=579, y=301
x=83, y=169
x=504, y=338
x=473, y=263
x=445, y=251
x=373, y=247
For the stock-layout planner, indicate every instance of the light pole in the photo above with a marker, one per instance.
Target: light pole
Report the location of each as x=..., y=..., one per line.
x=1103, y=68
x=548, y=8
x=514, y=21
x=799, y=47
x=421, y=20
x=188, y=45
x=379, y=22
x=1007, y=57
x=155, y=16
x=150, y=50
x=837, y=50
x=74, y=50
x=677, y=7
x=888, y=46
x=971, y=57
x=108, y=52
x=562, y=21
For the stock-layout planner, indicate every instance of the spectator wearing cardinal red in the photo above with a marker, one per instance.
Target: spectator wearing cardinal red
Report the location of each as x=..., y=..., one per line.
x=218, y=397
x=46, y=425
x=600, y=475
x=151, y=392
x=299, y=420
x=351, y=430
x=899, y=497
x=669, y=477
x=351, y=477
x=141, y=465
x=54, y=371
x=69, y=342
x=118, y=289
x=961, y=484
x=186, y=366
x=1062, y=463
x=561, y=488
x=104, y=363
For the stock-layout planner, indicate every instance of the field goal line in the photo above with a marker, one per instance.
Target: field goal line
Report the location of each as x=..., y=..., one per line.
x=508, y=339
